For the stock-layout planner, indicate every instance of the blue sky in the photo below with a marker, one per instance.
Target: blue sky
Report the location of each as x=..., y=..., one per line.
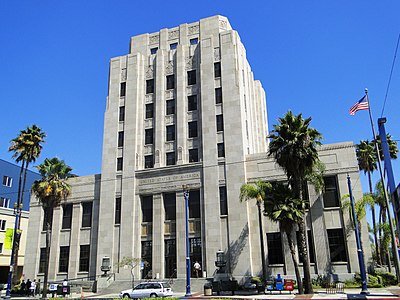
x=314, y=57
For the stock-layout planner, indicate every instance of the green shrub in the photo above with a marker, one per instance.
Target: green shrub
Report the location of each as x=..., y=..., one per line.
x=372, y=281
x=387, y=278
x=255, y=280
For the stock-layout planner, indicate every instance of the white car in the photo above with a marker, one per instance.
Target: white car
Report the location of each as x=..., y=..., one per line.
x=148, y=290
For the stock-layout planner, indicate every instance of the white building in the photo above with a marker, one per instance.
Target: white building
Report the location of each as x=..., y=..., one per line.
x=184, y=109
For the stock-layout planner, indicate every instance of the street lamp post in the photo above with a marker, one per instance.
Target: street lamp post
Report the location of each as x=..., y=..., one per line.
x=186, y=196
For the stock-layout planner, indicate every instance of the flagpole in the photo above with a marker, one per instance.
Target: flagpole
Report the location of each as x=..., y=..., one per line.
x=392, y=231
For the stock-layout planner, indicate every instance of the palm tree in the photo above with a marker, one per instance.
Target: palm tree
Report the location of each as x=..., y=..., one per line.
x=280, y=206
x=27, y=147
x=257, y=191
x=393, y=150
x=294, y=146
x=50, y=190
x=367, y=162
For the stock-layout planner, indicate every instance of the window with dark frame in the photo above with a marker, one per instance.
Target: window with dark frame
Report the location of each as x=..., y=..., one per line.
x=121, y=117
x=170, y=206
x=330, y=194
x=193, y=155
x=149, y=110
x=173, y=46
x=42, y=260
x=223, y=201
x=120, y=138
x=170, y=133
x=87, y=214
x=337, y=247
x=194, y=41
x=192, y=102
x=192, y=129
x=153, y=50
x=84, y=256
x=311, y=252
x=275, y=251
x=117, y=217
x=67, y=216
x=4, y=202
x=220, y=122
x=1, y=247
x=170, y=157
x=148, y=139
x=120, y=162
x=217, y=70
x=191, y=77
x=147, y=258
x=218, y=95
x=64, y=258
x=170, y=82
x=221, y=149
x=149, y=86
x=170, y=107
x=147, y=208
x=7, y=181
x=148, y=161
x=3, y=225
x=194, y=204
x=122, y=89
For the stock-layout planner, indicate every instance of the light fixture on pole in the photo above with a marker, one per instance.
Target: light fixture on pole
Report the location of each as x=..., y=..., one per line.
x=186, y=196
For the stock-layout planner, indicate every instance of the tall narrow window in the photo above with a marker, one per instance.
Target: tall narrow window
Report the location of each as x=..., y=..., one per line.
x=67, y=216
x=191, y=76
x=147, y=208
x=120, y=162
x=171, y=133
x=117, y=217
x=147, y=259
x=7, y=181
x=221, y=150
x=149, y=110
x=148, y=161
x=193, y=155
x=223, y=202
x=170, y=82
x=170, y=107
x=1, y=247
x=218, y=95
x=149, y=86
x=87, y=214
x=337, y=245
x=192, y=102
x=220, y=122
x=120, y=139
x=275, y=251
x=330, y=195
x=122, y=89
x=170, y=206
x=153, y=50
x=4, y=202
x=217, y=69
x=170, y=258
x=42, y=260
x=194, y=204
x=84, y=256
x=170, y=156
x=64, y=258
x=192, y=129
x=121, y=113
x=2, y=225
x=148, y=140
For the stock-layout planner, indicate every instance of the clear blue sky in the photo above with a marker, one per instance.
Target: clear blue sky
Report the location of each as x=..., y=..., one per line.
x=314, y=57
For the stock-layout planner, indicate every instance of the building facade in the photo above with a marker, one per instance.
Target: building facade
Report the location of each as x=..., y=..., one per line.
x=184, y=112
x=9, y=174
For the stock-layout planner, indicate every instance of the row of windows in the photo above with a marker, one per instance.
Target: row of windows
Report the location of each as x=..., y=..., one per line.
x=7, y=181
x=87, y=208
x=173, y=46
x=84, y=257
x=336, y=242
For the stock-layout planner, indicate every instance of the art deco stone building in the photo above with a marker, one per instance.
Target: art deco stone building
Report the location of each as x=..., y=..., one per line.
x=184, y=109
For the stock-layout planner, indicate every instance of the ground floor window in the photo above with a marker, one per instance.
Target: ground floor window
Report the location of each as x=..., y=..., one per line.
x=337, y=247
x=147, y=260
x=275, y=250
x=42, y=260
x=170, y=258
x=195, y=256
x=84, y=258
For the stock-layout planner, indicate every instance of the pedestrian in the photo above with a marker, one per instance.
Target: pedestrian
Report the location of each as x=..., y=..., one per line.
x=33, y=288
x=28, y=287
x=22, y=288
x=37, y=291
x=197, y=268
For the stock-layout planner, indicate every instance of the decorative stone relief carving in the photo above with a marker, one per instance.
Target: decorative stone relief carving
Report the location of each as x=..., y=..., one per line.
x=149, y=72
x=217, y=54
x=148, y=149
x=190, y=63
x=169, y=146
x=191, y=90
x=148, y=123
x=169, y=67
x=173, y=34
x=193, y=29
x=154, y=39
x=169, y=94
x=157, y=158
x=223, y=24
x=123, y=74
x=148, y=98
x=169, y=119
x=180, y=150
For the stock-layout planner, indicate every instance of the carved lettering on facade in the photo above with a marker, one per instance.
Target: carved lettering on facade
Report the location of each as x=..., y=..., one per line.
x=172, y=178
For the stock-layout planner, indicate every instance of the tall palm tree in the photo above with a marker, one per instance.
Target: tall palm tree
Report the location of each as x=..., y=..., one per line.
x=294, y=147
x=257, y=191
x=27, y=147
x=392, y=144
x=280, y=206
x=367, y=162
x=51, y=189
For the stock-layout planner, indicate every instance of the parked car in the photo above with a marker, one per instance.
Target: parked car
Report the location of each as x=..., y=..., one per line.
x=148, y=290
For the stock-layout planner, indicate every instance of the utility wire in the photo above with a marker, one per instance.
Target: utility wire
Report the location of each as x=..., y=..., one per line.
x=390, y=76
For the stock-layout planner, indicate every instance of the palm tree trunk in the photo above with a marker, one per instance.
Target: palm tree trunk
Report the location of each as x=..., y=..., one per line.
x=264, y=269
x=295, y=262
x=308, y=289
x=377, y=249
x=48, y=218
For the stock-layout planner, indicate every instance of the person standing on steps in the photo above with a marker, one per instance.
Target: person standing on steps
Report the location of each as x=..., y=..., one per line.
x=197, y=268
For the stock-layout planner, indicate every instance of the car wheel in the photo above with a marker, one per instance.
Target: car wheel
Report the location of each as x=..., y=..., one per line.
x=126, y=296
x=153, y=295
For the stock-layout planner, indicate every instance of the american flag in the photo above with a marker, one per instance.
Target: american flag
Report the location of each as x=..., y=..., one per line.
x=361, y=104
